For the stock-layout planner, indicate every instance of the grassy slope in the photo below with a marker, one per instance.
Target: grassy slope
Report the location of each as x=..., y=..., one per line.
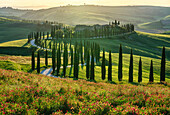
x=16, y=43
x=13, y=33
x=167, y=32
x=20, y=63
x=24, y=93
x=151, y=25
x=14, y=30
x=162, y=24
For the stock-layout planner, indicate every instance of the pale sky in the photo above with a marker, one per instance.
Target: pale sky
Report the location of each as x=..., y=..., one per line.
x=36, y=4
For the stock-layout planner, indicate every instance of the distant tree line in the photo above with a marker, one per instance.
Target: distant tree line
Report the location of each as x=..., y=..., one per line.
x=60, y=31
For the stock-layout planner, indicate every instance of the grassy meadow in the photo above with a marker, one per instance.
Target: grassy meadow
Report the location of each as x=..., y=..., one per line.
x=25, y=93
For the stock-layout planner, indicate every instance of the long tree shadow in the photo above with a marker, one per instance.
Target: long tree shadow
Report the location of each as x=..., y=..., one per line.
x=92, y=81
x=25, y=44
x=137, y=84
x=111, y=82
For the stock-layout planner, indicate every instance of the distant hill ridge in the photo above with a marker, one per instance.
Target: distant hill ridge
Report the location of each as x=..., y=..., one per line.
x=91, y=14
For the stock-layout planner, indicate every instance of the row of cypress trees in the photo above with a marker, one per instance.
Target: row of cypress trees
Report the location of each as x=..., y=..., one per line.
x=38, y=60
x=103, y=31
x=120, y=66
x=77, y=56
x=92, y=55
x=151, y=78
x=62, y=31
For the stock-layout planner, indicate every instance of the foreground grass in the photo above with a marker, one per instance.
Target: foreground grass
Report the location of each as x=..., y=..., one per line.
x=24, y=93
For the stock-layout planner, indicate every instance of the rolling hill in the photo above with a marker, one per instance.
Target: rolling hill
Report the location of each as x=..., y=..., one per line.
x=159, y=25
x=8, y=11
x=99, y=14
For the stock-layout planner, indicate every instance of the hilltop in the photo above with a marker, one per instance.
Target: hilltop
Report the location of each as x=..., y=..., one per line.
x=9, y=11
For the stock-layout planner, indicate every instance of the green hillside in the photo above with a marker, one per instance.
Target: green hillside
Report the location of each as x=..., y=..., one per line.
x=13, y=28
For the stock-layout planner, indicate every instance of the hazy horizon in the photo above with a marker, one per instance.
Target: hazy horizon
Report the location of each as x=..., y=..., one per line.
x=38, y=4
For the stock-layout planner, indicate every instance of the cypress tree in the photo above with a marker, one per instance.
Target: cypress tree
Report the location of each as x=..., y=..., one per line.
x=64, y=60
x=33, y=60
x=163, y=63
x=38, y=62
x=151, y=79
x=81, y=48
x=72, y=58
x=60, y=52
x=46, y=58
x=47, y=35
x=103, y=66
x=131, y=67
x=56, y=44
x=53, y=59
x=140, y=71
x=87, y=65
x=92, y=66
x=46, y=44
x=61, y=46
x=40, y=35
x=98, y=53
x=66, y=55
x=110, y=67
x=75, y=61
x=58, y=60
x=50, y=45
x=77, y=64
x=85, y=51
x=120, y=75
x=70, y=46
x=43, y=35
